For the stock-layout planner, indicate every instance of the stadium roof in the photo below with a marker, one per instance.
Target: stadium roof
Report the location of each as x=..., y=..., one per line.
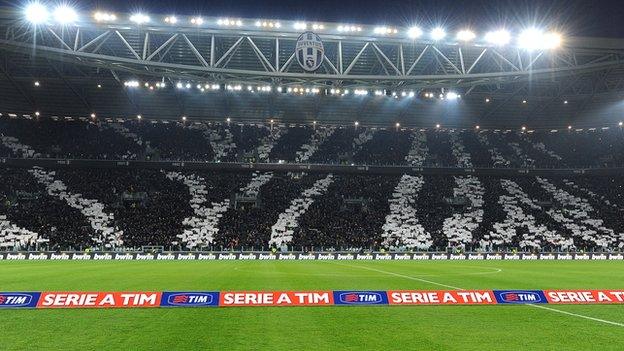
x=246, y=69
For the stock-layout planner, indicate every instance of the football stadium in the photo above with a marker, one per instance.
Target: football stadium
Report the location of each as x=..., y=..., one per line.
x=278, y=176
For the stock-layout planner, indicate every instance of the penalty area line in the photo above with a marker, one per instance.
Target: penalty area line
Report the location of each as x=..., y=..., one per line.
x=458, y=288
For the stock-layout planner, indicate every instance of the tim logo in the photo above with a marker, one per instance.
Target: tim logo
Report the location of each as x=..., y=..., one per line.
x=16, y=300
x=520, y=297
x=309, y=51
x=360, y=297
x=189, y=299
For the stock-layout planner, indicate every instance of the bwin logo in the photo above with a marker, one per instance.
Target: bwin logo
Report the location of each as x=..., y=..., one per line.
x=309, y=51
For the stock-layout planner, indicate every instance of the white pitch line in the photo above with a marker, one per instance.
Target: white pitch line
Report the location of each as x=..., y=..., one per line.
x=457, y=288
x=578, y=315
x=403, y=276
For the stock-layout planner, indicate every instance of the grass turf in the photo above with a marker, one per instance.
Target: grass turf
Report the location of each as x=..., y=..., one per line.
x=314, y=328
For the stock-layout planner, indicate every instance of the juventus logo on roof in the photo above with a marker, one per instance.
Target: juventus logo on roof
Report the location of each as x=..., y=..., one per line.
x=309, y=51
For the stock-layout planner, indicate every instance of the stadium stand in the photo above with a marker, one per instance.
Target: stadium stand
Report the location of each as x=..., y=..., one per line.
x=204, y=142
x=114, y=208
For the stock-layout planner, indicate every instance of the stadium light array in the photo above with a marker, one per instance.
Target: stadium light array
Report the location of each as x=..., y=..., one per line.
x=65, y=14
x=437, y=125
x=466, y=35
x=349, y=28
x=93, y=115
x=620, y=124
x=300, y=25
x=104, y=17
x=132, y=83
x=414, y=32
x=229, y=22
x=268, y=24
x=37, y=83
x=139, y=116
x=530, y=39
x=498, y=37
x=36, y=13
x=385, y=30
x=438, y=33
x=37, y=113
x=139, y=18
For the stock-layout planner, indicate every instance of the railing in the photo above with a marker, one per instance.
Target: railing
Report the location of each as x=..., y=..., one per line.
x=295, y=167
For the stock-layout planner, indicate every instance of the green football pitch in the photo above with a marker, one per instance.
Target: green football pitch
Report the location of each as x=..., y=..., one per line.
x=522, y=327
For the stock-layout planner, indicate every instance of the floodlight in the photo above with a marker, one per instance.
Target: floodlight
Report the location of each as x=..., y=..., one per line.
x=65, y=14
x=465, y=35
x=552, y=40
x=139, y=18
x=36, y=13
x=104, y=17
x=452, y=95
x=532, y=39
x=171, y=20
x=498, y=37
x=438, y=33
x=414, y=32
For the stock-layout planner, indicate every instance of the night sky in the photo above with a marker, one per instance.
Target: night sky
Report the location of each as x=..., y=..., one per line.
x=574, y=17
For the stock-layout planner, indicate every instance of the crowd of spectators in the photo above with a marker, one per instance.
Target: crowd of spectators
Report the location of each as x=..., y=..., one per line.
x=178, y=141
x=151, y=208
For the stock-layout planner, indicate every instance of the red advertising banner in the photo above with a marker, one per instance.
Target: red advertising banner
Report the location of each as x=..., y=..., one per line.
x=441, y=297
x=99, y=299
x=276, y=298
x=573, y=297
x=169, y=299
